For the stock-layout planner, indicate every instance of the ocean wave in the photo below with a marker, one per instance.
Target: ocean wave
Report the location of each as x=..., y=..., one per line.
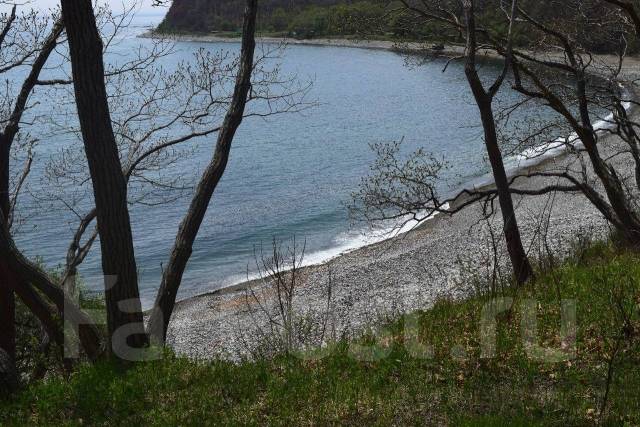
x=344, y=243
x=536, y=155
x=355, y=239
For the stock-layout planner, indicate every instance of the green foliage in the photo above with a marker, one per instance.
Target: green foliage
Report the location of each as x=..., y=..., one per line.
x=389, y=20
x=456, y=386
x=366, y=18
x=37, y=355
x=314, y=21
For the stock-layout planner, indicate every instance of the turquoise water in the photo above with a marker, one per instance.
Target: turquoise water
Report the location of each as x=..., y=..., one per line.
x=288, y=175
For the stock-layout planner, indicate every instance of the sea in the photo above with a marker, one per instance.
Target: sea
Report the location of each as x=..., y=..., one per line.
x=289, y=176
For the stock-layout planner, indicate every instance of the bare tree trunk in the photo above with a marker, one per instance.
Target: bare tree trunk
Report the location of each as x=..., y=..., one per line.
x=7, y=297
x=7, y=311
x=627, y=222
x=8, y=373
x=618, y=207
x=5, y=161
x=109, y=186
x=34, y=302
x=190, y=225
x=619, y=200
x=519, y=260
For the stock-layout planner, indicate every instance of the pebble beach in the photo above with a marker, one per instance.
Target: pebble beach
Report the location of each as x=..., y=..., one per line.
x=441, y=258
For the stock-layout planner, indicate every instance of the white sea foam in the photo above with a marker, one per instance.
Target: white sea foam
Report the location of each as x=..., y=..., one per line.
x=536, y=155
x=349, y=241
x=344, y=243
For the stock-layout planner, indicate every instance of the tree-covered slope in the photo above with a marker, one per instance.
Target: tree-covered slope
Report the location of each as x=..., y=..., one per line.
x=369, y=18
x=200, y=16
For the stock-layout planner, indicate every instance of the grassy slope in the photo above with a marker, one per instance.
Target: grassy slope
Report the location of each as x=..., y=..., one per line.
x=510, y=389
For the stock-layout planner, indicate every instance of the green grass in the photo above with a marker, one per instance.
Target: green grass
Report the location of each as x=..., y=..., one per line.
x=456, y=386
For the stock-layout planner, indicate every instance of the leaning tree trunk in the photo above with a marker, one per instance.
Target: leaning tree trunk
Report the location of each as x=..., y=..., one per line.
x=621, y=202
x=628, y=222
x=188, y=231
x=30, y=278
x=484, y=99
x=519, y=260
x=109, y=186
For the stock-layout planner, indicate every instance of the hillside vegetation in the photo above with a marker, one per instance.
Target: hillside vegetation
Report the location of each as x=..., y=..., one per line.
x=378, y=19
x=304, y=18
x=599, y=383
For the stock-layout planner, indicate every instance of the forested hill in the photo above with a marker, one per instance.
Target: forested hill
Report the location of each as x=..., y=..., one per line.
x=302, y=17
x=344, y=18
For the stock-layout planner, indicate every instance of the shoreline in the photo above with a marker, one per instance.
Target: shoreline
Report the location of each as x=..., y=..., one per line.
x=392, y=277
x=522, y=164
x=206, y=325
x=439, y=259
x=480, y=183
x=388, y=45
x=632, y=62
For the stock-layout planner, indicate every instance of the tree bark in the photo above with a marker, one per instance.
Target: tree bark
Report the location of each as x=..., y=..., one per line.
x=518, y=256
x=34, y=302
x=619, y=200
x=7, y=311
x=109, y=186
x=188, y=231
x=7, y=298
x=519, y=260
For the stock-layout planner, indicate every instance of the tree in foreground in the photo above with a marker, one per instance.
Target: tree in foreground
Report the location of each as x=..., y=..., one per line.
x=26, y=42
x=555, y=61
x=377, y=195
x=126, y=149
x=593, y=103
x=210, y=179
x=109, y=186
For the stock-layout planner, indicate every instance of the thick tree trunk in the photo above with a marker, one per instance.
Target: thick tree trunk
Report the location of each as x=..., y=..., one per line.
x=30, y=278
x=8, y=376
x=7, y=297
x=190, y=225
x=5, y=159
x=520, y=262
x=34, y=302
x=7, y=311
x=109, y=186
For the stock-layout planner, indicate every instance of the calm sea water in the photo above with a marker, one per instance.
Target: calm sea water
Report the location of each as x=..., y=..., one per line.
x=291, y=175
